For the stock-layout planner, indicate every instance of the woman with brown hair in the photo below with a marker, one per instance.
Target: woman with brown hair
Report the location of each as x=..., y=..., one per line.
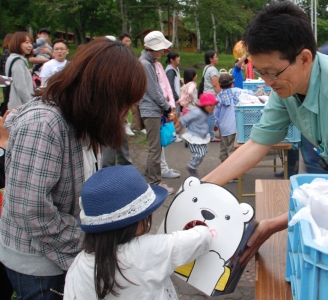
x=50, y=153
x=21, y=90
x=4, y=56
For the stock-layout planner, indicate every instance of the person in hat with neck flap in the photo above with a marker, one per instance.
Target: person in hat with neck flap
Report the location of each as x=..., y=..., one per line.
x=153, y=104
x=120, y=260
x=197, y=135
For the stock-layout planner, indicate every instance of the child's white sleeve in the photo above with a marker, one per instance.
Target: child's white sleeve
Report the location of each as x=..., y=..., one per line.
x=185, y=246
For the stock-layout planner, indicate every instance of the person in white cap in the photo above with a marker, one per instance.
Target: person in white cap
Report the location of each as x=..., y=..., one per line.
x=153, y=104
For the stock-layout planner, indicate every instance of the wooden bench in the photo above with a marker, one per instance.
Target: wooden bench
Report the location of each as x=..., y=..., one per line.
x=284, y=147
x=271, y=200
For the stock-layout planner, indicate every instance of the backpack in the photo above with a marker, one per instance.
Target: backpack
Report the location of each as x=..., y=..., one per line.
x=185, y=97
x=6, y=90
x=201, y=85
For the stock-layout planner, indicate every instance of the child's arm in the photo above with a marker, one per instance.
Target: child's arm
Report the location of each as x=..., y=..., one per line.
x=188, y=245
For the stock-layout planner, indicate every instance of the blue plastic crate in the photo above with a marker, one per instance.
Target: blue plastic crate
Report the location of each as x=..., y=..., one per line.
x=306, y=262
x=255, y=85
x=248, y=115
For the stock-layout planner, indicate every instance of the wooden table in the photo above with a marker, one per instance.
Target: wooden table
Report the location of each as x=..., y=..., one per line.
x=284, y=147
x=271, y=200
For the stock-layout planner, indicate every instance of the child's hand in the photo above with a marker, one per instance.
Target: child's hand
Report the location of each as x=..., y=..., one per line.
x=194, y=223
x=4, y=134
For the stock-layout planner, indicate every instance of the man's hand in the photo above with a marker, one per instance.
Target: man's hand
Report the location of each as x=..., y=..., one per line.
x=261, y=233
x=166, y=112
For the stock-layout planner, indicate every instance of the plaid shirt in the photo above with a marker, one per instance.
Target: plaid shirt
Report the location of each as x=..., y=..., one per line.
x=38, y=217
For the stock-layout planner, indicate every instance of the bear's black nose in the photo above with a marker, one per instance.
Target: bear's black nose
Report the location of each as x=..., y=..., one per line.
x=207, y=215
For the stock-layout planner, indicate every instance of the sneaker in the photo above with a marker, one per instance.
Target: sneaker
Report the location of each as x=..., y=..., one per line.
x=178, y=140
x=176, y=171
x=171, y=174
x=192, y=172
x=215, y=139
x=165, y=186
x=128, y=130
x=142, y=131
x=233, y=180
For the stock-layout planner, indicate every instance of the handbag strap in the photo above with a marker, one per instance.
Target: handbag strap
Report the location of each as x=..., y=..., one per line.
x=11, y=65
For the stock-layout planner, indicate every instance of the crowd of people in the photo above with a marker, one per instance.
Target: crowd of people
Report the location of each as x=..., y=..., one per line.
x=73, y=224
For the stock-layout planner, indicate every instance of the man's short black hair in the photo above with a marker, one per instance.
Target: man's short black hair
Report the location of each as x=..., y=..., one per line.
x=281, y=27
x=46, y=30
x=59, y=41
x=123, y=35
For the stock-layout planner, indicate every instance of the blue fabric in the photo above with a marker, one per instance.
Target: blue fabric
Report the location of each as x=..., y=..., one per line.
x=196, y=122
x=198, y=153
x=225, y=118
x=7, y=290
x=210, y=122
x=310, y=158
x=29, y=287
x=112, y=189
x=167, y=133
x=237, y=73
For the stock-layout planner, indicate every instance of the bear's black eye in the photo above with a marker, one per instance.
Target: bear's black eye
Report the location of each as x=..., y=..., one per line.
x=194, y=199
x=227, y=217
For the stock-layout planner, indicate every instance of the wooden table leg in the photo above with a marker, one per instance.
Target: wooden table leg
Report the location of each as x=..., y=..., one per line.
x=285, y=163
x=240, y=189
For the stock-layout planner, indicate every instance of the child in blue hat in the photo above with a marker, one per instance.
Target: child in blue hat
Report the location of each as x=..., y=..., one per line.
x=120, y=259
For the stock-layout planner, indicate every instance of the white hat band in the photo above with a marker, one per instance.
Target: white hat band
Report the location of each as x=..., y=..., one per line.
x=132, y=209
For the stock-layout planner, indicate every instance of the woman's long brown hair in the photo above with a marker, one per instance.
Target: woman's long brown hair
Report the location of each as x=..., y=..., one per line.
x=96, y=89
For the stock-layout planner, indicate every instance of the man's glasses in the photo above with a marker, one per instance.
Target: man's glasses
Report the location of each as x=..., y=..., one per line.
x=60, y=49
x=275, y=76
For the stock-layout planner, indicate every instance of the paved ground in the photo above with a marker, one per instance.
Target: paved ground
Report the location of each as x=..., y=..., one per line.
x=177, y=157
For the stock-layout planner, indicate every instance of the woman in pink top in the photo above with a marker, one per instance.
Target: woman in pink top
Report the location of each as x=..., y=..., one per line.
x=166, y=172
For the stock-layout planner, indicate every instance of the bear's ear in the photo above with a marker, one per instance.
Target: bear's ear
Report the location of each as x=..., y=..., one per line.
x=189, y=182
x=248, y=212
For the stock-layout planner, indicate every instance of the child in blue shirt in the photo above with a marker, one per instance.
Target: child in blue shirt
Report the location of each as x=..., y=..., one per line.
x=225, y=114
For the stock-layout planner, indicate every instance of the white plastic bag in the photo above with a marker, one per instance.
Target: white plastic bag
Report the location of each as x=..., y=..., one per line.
x=246, y=99
x=314, y=197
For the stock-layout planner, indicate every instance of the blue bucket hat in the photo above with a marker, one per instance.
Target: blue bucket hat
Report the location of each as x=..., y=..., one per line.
x=116, y=197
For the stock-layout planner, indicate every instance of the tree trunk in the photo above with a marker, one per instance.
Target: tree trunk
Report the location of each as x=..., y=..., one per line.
x=160, y=19
x=66, y=34
x=175, y=37
x=77, y=39
x=124, y=22
x=214, y=34
x=197, y=27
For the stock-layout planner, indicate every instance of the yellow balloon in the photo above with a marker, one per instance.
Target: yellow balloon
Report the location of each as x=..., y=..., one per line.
x=238, y=50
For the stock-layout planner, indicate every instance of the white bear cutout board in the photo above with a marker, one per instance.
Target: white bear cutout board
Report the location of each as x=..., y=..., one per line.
x=217, y=272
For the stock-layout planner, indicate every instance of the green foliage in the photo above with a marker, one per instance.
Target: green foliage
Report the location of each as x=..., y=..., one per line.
x=322, y=32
